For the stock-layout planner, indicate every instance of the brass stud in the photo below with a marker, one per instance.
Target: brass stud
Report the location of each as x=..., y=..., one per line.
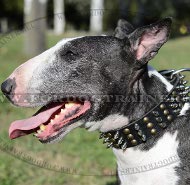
x=174, y=93
x=126, y=131
x=134, y=141
x=170, y=118
x=146, y=119
x=149, y=125
x=153, y=131
x=130, y=136
x=162, y=106
x=166, y=112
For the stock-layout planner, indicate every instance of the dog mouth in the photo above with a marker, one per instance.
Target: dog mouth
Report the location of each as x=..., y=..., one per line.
x=49, y=121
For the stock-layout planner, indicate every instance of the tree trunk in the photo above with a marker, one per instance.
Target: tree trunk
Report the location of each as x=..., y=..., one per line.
x=59, y=17
x=35, y=17
x=96, y=16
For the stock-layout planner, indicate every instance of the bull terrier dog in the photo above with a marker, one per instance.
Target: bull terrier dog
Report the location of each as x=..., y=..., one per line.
x=104, y=83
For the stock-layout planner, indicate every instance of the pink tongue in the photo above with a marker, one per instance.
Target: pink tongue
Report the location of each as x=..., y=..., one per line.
x=23, y=127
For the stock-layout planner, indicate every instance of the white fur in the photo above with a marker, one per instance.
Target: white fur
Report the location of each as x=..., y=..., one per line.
x=185, y=109
x=152, y=71
x=164, y=149
x=109, y=123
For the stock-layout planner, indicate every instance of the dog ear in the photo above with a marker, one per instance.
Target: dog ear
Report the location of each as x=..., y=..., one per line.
x=146, y=41
x=123, y=29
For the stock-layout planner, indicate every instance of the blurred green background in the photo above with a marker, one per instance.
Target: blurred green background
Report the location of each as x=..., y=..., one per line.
x=81, y=151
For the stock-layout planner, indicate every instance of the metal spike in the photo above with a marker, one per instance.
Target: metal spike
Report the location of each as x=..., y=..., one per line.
x=144, y=137
x=109, y=145
x=182, y=76
x=174, y=105
x=137, y=127
x=124, y=146
x=180, y=87
x=186, y=99
x=184, y=93
x=184, y=82
x=106, y=140
x=101, y=135
x=120, y=141
x=116, y=136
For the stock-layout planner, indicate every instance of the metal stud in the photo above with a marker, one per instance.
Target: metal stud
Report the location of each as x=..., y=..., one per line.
x=169, y=117
x=174, y=93
x=153, y=131
x=116, y=136
x=144, y=137
x=166, y=112
x=134, y=141
x=182, y=76
x=177, y=111
x=124, y=146
x=120, y=141
x=162, y=106
x=146, y=119
x=180, y=87
x=149, y=125
x=156, y=113
x=178, y=98
x=137, y=127
x=186, y=99
x=159, y=119
x=130, y=136
x=126, y=131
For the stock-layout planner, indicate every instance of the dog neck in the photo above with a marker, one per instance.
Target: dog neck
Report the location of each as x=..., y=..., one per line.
x=140, y=165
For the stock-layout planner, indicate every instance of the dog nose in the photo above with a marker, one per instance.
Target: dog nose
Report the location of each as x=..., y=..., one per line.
x=7, y=86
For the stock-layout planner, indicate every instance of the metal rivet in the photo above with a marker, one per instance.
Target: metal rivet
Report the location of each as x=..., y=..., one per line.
x=159, y=119
x=130, y=136
x=156, y=113
x=170, y=118
x=137, y=126
x=162, y=106
x=153, y=131
x=149, y=125
x=134, y=141
x=146, y=119
x=126, y=131
x=166, y=112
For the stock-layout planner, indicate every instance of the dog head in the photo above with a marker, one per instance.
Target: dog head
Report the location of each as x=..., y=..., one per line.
x=77, y=80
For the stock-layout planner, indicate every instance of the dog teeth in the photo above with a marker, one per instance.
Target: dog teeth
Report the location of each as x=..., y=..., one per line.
x=39, y=131
x=69, y=105
x=42, y=127
x=63, y=111
x=52, y=121
x=56, y=116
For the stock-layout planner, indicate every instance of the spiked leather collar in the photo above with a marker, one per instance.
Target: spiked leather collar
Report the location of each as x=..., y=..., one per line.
x=156, y=120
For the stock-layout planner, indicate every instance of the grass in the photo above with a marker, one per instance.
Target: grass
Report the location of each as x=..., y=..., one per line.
x=80, y=151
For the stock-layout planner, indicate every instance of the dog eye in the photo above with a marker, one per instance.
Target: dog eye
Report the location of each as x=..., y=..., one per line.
x=70, y=54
